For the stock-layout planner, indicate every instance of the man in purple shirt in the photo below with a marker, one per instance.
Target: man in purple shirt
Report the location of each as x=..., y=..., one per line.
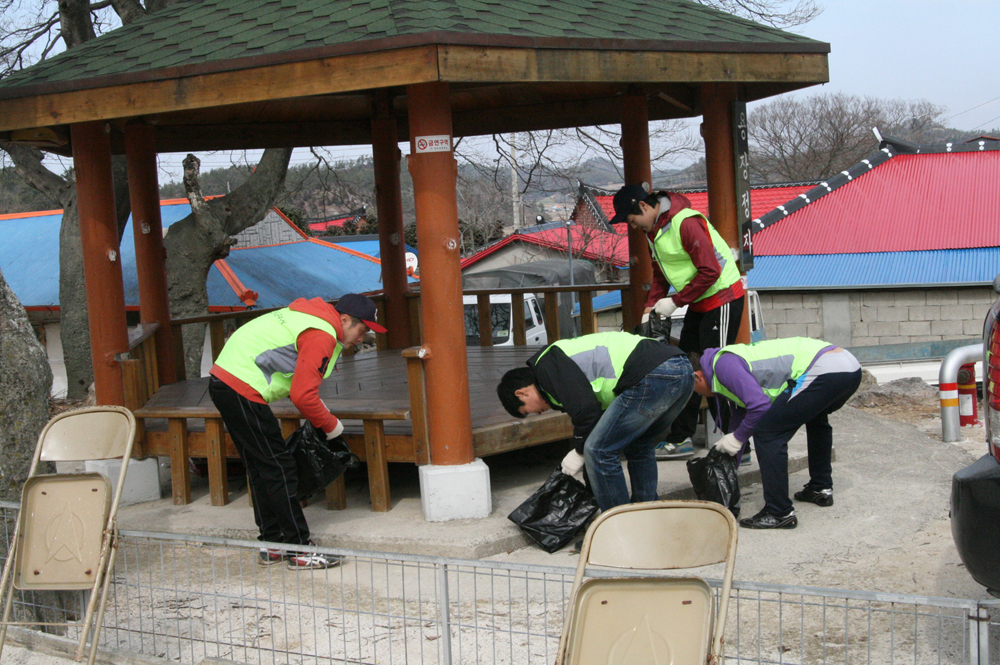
x=776, y=386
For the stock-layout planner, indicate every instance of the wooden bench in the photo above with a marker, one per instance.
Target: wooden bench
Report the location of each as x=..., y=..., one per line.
x=216, y=445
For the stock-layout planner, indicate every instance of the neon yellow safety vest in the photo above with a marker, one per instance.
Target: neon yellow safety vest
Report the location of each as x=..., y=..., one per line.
x=263, y=352
x=601, y=357
x=773, y=363
x=676, y=264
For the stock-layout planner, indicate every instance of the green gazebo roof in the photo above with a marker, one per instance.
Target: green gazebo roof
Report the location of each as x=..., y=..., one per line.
x=193, y=36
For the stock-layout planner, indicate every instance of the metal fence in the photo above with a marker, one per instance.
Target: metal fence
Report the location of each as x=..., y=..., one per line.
x=186, y=598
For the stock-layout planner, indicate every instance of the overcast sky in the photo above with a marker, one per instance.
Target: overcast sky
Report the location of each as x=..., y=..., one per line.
x=944, y=52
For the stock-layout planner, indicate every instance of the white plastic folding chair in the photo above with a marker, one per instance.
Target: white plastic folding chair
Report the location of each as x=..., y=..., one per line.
x=651, y=620
x=65, y=536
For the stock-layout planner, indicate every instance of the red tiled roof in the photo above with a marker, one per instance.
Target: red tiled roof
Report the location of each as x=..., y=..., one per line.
x=590, y=244
x=913, y=202
x=762, y=199
x=336, y=221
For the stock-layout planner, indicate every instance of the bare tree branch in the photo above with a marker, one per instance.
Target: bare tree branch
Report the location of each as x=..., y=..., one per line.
x=816, y=137
x=777, y=13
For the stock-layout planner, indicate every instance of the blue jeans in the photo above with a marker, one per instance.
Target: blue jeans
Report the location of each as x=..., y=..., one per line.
x=636, y=421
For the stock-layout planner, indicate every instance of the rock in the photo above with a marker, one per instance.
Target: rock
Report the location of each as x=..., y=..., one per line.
x=911, y=390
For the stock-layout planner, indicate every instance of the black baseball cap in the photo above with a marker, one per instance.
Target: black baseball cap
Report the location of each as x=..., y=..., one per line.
x=625, y=200
x=361, y=307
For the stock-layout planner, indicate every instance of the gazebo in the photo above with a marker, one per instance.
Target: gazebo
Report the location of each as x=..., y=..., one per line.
x=249, y=74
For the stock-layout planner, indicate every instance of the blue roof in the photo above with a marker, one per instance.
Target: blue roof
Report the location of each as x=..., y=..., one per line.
x=29, y=260
x=282, y=273
x=877, y=269
x=366, y=246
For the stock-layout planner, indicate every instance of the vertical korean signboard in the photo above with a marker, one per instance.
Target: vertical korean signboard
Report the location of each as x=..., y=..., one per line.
x=741, y=156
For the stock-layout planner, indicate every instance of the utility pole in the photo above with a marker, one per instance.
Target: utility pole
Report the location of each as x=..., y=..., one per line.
x=515, y=193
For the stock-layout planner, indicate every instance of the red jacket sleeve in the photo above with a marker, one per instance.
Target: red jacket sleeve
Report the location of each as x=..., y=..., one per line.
x=315, y=353
x=698, y=244
x=659, y=288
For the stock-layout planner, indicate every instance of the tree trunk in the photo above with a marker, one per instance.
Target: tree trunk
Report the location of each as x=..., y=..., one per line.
x=194, y=243
x=25, y=381
x=74, y=325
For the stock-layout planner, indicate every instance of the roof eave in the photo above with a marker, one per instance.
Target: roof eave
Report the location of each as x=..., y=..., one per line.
x=435, y=38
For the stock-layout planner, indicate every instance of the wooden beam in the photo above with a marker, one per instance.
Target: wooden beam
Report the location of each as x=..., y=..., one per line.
x=102, y=269
x=378, y=471
x=482, y=63
x=218, y=479
x=180, y=472
x=282, y=81
x=434, y=200
x=638, y=170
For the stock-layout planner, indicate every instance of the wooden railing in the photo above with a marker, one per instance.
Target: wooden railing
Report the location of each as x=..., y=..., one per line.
x=585, y=294
x=139, y=369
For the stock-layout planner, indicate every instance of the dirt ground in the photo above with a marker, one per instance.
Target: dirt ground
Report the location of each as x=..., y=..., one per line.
x=889, y=529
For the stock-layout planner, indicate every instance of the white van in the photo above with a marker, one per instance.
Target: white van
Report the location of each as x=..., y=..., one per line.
x=534, y=324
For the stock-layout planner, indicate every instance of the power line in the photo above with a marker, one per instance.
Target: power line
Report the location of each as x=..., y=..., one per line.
x=985, y=125
x=972, y=109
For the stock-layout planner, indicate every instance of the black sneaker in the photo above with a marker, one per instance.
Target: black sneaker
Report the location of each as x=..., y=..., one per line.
x=764, y=520
x=819, y=497
x=268, y=557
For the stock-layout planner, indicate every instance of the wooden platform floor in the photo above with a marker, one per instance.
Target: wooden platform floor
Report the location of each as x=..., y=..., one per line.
x=377, y=381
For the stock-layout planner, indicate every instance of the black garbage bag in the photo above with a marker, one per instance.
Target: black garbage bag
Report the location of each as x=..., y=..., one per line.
x=714, y=478
x=556, y=512
x=319, y=462
x=655, y=327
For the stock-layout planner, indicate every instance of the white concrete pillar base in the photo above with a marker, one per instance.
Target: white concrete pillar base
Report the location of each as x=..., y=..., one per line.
x=455, y=492
x=142, y=480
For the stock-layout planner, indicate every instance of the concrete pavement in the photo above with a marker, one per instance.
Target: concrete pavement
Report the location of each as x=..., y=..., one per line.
x=513, y=476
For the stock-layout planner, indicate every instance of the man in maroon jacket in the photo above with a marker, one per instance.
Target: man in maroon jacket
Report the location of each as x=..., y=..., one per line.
x=690, y=255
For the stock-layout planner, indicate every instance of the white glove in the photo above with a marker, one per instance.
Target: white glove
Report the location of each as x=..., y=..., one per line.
x=729, y=444
x=665, y=307
x=336, y=431
x=572, y=464
x=645, y=317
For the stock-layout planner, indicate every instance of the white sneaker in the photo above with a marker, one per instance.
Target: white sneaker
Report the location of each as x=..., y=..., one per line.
x=312, y=561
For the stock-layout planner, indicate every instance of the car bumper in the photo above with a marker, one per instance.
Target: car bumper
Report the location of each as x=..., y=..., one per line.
x=975, y=520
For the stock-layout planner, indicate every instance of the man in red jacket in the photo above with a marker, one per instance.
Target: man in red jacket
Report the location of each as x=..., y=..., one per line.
x=690, y=255
x=285, y=353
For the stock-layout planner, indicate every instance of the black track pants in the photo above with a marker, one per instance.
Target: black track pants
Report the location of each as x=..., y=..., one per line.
x=705, y=330
x=270, y=465
x=809, y=407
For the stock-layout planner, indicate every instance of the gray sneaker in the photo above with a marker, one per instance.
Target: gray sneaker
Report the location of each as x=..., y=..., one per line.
x=669, y=451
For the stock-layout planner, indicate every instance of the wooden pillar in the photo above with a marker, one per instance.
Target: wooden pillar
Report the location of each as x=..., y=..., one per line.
x=102, y=266
x=150, y=256
x=635, y=153
x=435, y=175
x=391, y=238
x=717, y=130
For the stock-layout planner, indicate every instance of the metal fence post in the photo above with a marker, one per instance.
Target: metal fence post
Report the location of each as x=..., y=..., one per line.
x=979, y=636
x=443, y=603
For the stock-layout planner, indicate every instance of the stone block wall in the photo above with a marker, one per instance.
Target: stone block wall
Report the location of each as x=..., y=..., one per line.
x=869, y=318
